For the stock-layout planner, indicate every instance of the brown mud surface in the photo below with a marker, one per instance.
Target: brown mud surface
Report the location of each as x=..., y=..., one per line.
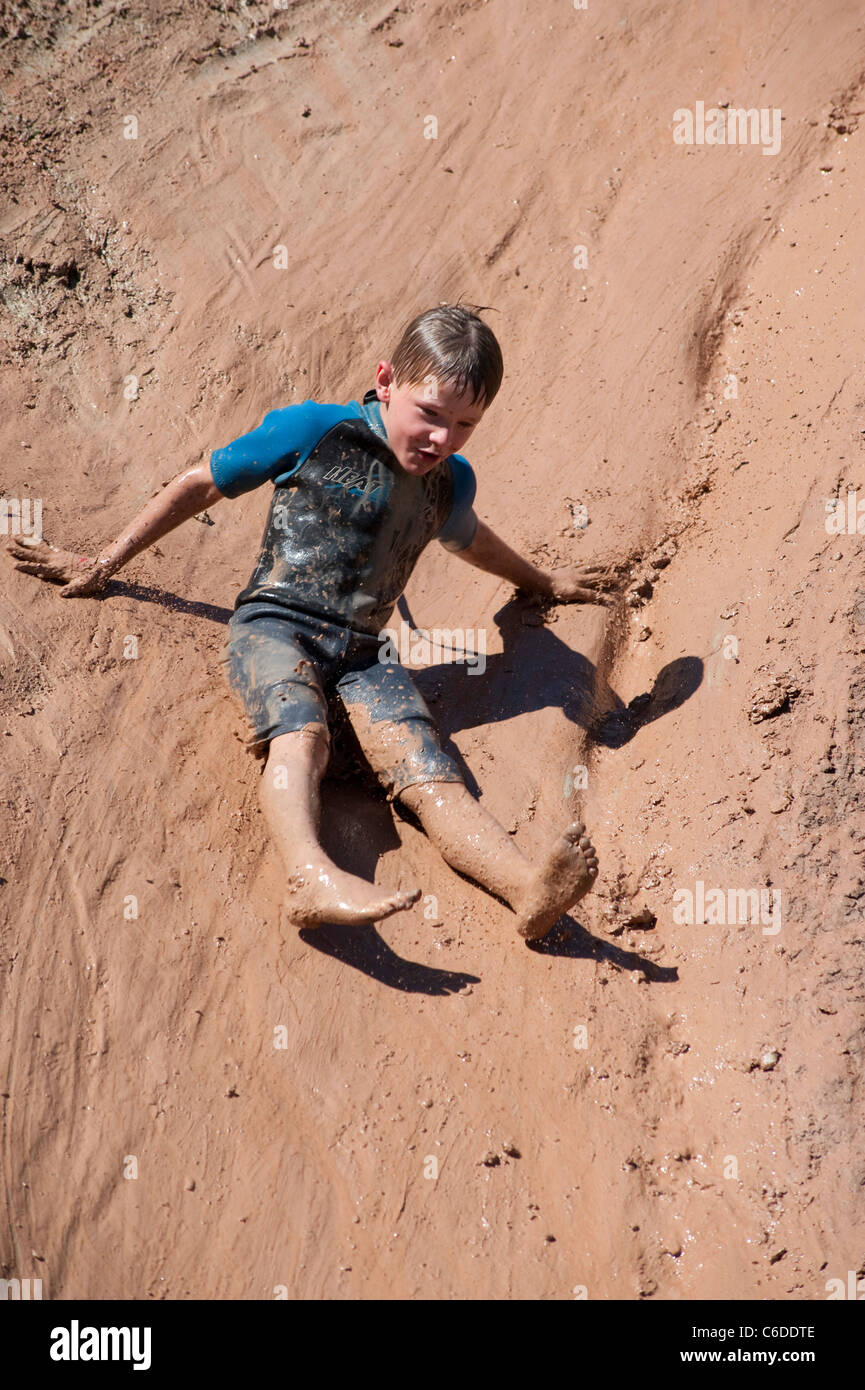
x=636, y=1106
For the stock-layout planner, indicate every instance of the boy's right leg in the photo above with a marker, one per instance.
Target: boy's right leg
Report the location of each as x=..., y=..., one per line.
x=320, y=891
x=276, y=664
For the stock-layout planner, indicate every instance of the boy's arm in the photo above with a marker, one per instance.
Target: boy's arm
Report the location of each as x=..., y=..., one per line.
x=573, y=584
x=190, y=492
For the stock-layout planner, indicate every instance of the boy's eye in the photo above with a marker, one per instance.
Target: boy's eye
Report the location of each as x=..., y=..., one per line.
x=463, y=424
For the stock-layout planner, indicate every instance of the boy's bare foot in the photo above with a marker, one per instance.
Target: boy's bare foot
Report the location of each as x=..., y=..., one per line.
x=323, y=893
x=566, y=875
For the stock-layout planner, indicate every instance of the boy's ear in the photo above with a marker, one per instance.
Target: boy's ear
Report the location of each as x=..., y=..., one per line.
x=384, y=380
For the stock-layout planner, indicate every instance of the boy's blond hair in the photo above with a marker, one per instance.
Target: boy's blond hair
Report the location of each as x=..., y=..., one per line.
x=452, y=344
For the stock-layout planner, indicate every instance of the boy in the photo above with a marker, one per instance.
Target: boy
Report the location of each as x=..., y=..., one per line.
x=358, y=491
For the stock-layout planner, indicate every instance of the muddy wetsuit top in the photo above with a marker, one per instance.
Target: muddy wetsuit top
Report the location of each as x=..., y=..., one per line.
x=344, y=531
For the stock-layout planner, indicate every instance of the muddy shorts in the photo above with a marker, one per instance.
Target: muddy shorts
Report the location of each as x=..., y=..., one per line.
x=289, y=669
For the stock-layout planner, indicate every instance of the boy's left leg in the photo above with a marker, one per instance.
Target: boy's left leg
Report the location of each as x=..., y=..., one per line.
x=398, y=736
x=473, y=841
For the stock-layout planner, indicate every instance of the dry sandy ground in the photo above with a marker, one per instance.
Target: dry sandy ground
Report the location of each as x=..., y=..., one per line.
x=697, y=382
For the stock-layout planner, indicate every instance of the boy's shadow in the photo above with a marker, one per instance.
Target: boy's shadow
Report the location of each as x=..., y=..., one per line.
x=164, y=598
x=537, y=669
x=568, y=938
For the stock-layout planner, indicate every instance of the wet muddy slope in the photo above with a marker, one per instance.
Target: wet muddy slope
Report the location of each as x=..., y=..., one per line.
x=199, y=1102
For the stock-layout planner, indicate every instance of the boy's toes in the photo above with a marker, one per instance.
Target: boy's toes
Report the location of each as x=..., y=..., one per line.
x=590, y=856
x=395, y=902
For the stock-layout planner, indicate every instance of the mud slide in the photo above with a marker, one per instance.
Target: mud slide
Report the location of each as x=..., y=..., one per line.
x=213, y=213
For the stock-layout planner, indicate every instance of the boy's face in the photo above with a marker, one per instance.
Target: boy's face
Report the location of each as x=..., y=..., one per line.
x=425, y=422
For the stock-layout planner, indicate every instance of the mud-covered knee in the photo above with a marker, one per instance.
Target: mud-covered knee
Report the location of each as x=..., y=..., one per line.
x=421, y=796
x=313, y=737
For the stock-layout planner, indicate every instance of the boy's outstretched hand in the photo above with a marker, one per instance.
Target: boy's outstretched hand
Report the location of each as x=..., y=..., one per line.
x=583, y=584
x=571, y=584
x=81, y=575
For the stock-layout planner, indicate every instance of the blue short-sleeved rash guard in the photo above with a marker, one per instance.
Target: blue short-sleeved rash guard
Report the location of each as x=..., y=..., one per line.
x=346, y=523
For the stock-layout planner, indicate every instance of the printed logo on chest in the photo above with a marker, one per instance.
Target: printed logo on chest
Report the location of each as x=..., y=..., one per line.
x=350, y=478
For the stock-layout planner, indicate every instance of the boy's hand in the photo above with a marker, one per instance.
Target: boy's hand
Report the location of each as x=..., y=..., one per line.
x=81, y=575
x=583, y=585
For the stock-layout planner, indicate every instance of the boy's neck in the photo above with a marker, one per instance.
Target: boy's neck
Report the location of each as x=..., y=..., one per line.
x=372, y=407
